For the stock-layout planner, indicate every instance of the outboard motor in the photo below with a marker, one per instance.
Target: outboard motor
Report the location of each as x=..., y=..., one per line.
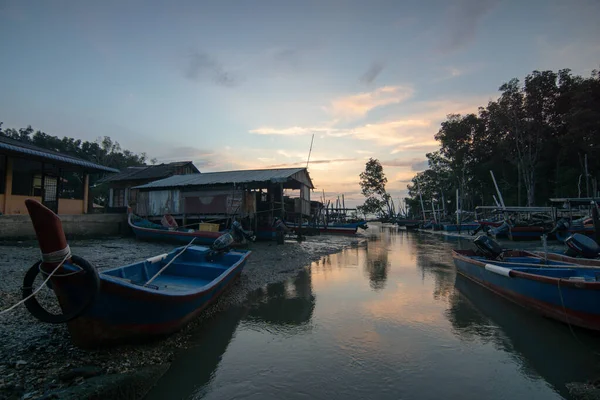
x=240, y=234
x=500, y=229
x=582, y=246
x=222, y=244
x=489, y=247
x=561, y=225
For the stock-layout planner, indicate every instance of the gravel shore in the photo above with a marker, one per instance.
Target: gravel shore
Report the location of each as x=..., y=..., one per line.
x=37, y=360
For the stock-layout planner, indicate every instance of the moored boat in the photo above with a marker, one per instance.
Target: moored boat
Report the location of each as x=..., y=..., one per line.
x=568, y=293
x=464, y=227
x=150, y=298
x=146, y=230
x=348, y=228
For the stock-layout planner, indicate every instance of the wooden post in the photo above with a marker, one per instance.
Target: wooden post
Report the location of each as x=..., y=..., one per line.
x=587, y=179
x=8, y=184
x=86, y=195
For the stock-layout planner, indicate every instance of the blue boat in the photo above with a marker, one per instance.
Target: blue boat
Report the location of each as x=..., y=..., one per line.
x=146, y=230
x=347, y=228
x=464, y=227
x=568, y=293
x=150, y=298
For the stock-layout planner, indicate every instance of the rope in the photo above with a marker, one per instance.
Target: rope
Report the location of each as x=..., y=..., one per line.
x=169, y=263
x=57, y=256
x=66, y=257
x=562, y=302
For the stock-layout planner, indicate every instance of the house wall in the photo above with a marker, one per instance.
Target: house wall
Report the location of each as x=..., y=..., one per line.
x=75, y=226
x=15, y=204
x=71, y=206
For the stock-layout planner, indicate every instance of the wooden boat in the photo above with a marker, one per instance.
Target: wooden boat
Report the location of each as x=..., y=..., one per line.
x=150, y=298
x=464, y=227
x=146, y=230
x=568, y=293
x=347, y=228
x=565, y=259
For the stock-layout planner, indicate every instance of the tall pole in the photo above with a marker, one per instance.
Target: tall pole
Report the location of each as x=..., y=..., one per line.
x=421, y=197
x=587, y=185
x=433, y=210
x=457, y=209
x=496, y=201
x=310, y=150
x=443, y=204
x=497, y=190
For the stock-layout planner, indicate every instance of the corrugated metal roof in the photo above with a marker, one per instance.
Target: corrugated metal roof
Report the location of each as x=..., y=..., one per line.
x=31, y=150
x=216, y=178
x=148, y=172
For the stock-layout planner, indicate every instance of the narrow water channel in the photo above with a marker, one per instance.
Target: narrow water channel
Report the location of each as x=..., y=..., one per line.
x=386, y=320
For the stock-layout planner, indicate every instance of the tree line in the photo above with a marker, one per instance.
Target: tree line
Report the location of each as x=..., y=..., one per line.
x=103, y=151
x=541, y=138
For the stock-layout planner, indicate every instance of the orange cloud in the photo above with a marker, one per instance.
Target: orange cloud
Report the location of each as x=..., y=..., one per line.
x=358, y=105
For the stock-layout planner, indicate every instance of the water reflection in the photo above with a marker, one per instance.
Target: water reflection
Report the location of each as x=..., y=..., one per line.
x=194, y=368
x=389, y=319
x=279, y=307
x=377, y=264
x=542, y=347
x=433, y=261
x=285, y=303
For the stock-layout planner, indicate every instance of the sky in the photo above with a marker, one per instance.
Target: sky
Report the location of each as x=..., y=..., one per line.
x=246, y=84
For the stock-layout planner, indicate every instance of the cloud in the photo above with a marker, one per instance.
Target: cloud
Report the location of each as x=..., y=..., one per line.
x=364, y=152
x=412, y=163
x=463, y=17
x=391, y=133
x=202, y=66
x=372, y=73
x=295, y=131
x=303, y=163
x=181, y=153
x=359, y=105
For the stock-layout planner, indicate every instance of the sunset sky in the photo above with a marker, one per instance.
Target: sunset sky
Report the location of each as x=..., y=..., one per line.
x=244, y=84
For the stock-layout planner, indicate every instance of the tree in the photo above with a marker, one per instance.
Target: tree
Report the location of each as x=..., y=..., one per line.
x=540, y=131
x=372, y=183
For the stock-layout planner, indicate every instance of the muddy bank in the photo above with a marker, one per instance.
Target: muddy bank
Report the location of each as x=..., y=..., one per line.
x=37, y=359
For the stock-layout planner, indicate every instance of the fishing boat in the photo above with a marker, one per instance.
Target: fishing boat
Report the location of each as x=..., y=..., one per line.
x=574, y=215
x=568, y=293
x=463, y=227
x=150, y=298
x=347, y=228
x=147, y=230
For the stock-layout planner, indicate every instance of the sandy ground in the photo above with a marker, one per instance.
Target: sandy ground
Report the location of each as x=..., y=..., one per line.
x=37, y=359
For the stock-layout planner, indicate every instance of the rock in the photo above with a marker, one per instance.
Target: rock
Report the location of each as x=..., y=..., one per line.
x=20, y=364
x=29, y=395
x=87, y=371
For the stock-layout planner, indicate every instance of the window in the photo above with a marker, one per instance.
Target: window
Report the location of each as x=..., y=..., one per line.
x=71, y=185
x=133, y=196
x=23, y=175
x=2, y=173
x=118, y=198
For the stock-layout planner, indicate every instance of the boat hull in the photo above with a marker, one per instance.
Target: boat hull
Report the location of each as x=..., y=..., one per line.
x=343, y=229
x=521, y=233
x=124, y=313
x=163, y=235
x=568, y=301
x=462, y=227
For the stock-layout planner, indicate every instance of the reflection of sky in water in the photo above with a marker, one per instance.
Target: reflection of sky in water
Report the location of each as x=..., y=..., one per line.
x=382, y=320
